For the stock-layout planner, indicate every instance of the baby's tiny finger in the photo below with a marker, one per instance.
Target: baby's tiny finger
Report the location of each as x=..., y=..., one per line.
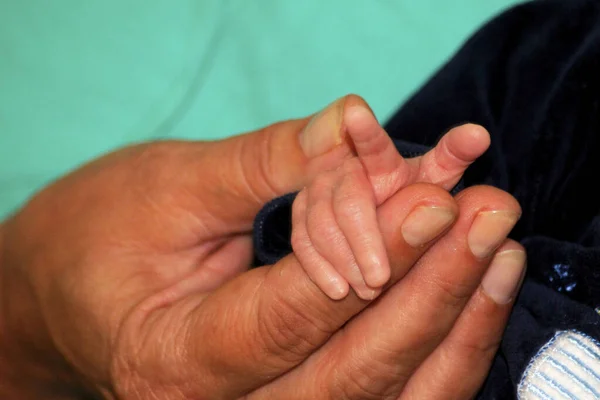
x=320, y=271
x=355, y=212
x=324, y=233
x=386, y=169
x=445, y=164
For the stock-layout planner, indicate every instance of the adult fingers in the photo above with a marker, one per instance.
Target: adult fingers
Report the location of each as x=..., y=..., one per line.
x=467, y=352
x=281, y=317
x=309, y=252
x=379, y=350
x=244, y=172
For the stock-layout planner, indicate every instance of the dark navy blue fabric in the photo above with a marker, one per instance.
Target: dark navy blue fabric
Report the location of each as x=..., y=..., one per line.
x=532, y=78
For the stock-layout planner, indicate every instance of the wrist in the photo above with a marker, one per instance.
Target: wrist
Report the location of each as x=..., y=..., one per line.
x=8, y=375
x=26, y=370
x=11, y=374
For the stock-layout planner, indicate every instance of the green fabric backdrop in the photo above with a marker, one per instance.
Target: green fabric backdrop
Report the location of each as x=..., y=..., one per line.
x=78, y=78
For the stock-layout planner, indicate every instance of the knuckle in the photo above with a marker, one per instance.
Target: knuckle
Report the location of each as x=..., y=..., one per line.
x=268, y=166
x=355, y=185
x=348, y=206
x=254, y=180
x=300, y=243
x=290, y=332
x=348, y=190
x=153, y=152
x=352, y=167
x=475, y=349
x=451, y=293
x=358, y=389
x=319, y=204
x=152, y=163
x=257, y=163
x=323, y=182
x=368, y=380
x=322, y=226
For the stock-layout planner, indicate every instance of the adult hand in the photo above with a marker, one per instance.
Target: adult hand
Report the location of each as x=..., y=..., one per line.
x=128, y=279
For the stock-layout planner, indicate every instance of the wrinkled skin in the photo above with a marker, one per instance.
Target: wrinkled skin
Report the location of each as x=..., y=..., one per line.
x=129, y=279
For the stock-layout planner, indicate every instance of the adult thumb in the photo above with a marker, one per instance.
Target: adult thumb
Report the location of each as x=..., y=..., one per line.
x=246, y=171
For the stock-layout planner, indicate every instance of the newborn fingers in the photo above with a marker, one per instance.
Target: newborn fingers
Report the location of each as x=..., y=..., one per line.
x=320, y=271
x=445, y=164
x=334, y=251
x=388, y=171
x=355, y=213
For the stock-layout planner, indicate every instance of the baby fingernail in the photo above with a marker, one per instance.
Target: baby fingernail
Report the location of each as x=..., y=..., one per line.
x=489, y=230
x=359, y=112
x=338, y=290
x=377, y=275
x=502, y=280
x=323, y=132
x=425, y=223
x=369, y=294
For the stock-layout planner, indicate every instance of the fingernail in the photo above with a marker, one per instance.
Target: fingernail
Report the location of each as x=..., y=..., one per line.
x=359, y=112
x=323, y=132
x=489, y=230
x=369, y=294
x=338, y=289
x=377, y=273
x=425, y=223
x=504, y=276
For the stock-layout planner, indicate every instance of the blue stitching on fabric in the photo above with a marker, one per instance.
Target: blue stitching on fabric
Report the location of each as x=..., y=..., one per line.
x=536, y=361
x=539, y=392
x=583, y=347
x=577, y=361
x=560, y=388
x=585, y=335
x=523, y=384
x=558, y=365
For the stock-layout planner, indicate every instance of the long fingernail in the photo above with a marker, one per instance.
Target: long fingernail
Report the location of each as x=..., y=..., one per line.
x=489, y=230
x=323, y=132
x=425, y=223
x=504, y=276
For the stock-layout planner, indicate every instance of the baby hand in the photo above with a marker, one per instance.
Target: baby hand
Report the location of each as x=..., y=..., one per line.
x=335, y=232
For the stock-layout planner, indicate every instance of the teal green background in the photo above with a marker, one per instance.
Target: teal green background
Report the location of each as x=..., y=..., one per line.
x=79, y=78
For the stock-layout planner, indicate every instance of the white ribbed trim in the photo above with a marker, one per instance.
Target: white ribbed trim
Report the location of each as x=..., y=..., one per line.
x=565, y=368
